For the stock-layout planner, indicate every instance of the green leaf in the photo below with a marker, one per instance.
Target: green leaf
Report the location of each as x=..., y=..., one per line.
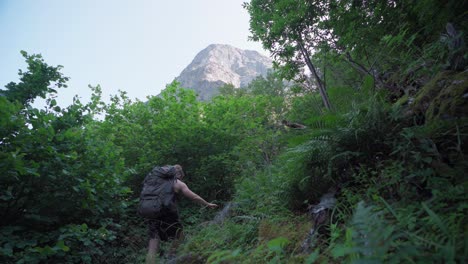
x=277, y=244
x=61, y=245
x=312, y=258
x=45, y=251
x=436, y=219
x=368, y=84
x=341, y=251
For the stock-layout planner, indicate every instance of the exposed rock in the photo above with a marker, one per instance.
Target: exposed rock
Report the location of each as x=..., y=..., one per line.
x=218, y=65
x=319, y=213
x=443, y=97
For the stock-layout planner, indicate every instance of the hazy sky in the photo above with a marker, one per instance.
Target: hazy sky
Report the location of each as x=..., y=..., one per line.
x=137, y=46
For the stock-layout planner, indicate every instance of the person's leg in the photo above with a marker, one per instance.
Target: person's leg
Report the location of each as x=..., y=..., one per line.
x=153, y=248
x=154, y=241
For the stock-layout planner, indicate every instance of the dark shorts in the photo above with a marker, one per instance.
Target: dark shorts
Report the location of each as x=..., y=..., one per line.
x=167, y=226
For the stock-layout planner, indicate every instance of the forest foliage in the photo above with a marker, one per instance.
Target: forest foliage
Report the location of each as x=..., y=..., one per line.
x=384, y=107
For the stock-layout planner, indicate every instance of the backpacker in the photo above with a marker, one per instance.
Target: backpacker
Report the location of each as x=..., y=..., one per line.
x=157, y=195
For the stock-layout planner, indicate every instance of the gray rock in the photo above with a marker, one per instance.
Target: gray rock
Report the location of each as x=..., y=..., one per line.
x=220, y=64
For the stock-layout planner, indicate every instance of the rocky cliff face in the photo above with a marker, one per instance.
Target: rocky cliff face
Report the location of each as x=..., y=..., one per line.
x=218, y=65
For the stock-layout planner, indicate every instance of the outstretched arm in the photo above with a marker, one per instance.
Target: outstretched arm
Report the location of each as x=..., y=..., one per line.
x=181, y=187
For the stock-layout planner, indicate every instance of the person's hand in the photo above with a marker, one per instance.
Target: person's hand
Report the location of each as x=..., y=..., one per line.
x=212, y=205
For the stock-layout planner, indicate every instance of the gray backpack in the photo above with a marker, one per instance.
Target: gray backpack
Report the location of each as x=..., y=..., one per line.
x=157, y=195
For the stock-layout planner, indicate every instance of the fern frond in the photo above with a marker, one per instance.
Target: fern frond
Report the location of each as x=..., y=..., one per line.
x=372, y=238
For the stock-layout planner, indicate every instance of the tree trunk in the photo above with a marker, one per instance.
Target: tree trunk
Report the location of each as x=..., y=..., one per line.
x=364, y=71
x=321, y=85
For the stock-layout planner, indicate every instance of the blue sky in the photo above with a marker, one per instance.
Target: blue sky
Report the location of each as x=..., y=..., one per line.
x=136, y=46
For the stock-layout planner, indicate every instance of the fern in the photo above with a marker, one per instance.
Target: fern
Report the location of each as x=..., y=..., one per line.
x=369, y=239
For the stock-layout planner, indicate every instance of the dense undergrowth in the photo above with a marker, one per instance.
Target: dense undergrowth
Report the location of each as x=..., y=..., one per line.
x=401, y=194
x=390, y=146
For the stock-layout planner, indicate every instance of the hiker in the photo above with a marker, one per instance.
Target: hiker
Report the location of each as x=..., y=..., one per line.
x=158, y=205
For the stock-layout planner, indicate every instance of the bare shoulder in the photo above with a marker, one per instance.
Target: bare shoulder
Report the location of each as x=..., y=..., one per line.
x=179, y=186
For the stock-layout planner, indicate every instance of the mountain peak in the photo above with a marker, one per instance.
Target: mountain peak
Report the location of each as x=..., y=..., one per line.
x=220, y=64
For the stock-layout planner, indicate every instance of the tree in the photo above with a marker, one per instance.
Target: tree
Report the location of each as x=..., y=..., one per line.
x=289, y=30
x=36, y=81
x=270, y=85
x=56, y=172
x=396, y=43
x=392, y=41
